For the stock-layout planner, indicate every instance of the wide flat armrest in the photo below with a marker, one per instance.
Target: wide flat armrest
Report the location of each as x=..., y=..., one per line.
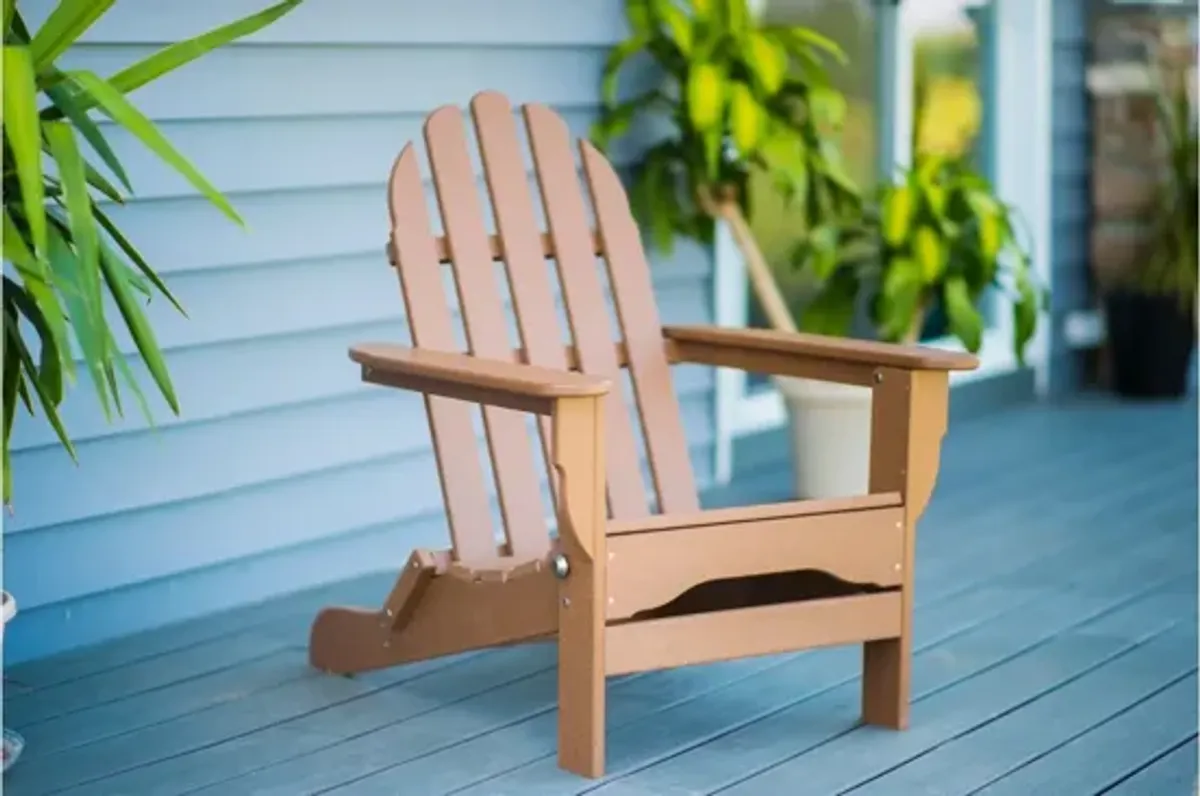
x=690, y=341
x=455, y=375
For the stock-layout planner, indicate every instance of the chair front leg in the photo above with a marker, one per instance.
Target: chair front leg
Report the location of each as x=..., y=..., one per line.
x=582, y=594
x=908, y=420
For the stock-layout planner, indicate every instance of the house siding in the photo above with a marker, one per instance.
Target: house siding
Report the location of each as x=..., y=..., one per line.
x=283, y=471
x=1070, y=190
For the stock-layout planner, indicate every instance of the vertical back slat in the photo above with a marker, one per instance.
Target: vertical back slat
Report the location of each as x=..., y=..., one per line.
x=521, y=242
x=482, y=306
x=459, y=469
x=583, y=295
x=637, y=313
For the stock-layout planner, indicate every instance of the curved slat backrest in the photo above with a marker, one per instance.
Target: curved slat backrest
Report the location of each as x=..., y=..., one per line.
x=523, y=247
x=637, y=311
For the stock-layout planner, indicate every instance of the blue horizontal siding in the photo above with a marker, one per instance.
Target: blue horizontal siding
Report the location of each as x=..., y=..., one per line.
x=526, y=23
x=283, y=471
x=326, y=151
x=363, y=79
x=295, y=344
x=352, y=517
x=1070, y=203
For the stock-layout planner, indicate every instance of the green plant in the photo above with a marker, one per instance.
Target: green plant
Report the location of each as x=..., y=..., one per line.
x=729, y=95
x=65, y=252
x=1172, y=258
x=938, y=231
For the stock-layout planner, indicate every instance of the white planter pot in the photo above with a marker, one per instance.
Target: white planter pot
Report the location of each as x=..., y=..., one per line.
x=831, y=436
x=11, y=743
x=8, y=609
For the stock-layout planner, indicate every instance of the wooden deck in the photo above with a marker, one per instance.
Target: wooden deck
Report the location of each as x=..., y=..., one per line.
x=1056, y=654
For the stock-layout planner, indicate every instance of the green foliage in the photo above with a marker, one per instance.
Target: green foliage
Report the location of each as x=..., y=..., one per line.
x=732, y=95
x=67, y=257
x=1171, y=267
x=937, y=230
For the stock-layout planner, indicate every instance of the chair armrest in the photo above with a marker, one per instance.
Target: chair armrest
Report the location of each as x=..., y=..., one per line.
x=488, y=381
x=809, y=355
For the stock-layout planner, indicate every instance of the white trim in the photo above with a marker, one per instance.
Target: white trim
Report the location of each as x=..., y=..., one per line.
x=900, y=88
x=729, y=309
x=1023, y=140
x=730, y=294
x=1024, y=85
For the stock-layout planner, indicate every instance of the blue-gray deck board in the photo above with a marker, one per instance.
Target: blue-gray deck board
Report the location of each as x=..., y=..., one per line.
x=1055, y=653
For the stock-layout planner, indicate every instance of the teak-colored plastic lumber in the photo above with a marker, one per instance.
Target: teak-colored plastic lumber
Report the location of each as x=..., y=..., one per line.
x=638, y=576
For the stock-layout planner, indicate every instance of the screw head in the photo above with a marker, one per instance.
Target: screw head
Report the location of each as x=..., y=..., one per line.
x=562, y=567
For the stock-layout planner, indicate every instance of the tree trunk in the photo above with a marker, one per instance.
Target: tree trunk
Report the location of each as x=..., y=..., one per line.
x=913, y=336
x=766, y=289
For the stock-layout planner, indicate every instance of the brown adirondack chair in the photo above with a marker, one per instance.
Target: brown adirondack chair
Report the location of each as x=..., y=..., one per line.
x=629, y=584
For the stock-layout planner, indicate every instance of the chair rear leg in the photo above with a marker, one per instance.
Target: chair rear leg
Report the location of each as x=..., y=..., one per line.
x=347, y=640
x=887, y=680
x=437, y=609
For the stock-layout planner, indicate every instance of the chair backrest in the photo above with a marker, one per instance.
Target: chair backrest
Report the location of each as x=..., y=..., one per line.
x=589, y=345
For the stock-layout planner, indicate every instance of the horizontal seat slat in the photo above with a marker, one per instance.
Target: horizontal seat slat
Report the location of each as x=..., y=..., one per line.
x=729, y=516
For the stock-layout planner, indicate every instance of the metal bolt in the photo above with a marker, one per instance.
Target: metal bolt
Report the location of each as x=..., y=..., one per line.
x=878, y=377
x=566, y=601
x=562, y=567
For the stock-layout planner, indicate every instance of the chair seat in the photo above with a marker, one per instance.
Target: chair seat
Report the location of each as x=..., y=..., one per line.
x=768, y=511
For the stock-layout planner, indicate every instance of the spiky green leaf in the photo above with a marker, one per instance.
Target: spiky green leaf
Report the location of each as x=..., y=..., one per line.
x=66, y=23
x=22, y=131
x=176, y=55
x=67, y=102
x=122, y=111
x=139, y=327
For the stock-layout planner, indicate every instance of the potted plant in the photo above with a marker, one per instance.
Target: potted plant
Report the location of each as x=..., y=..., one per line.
x=935, y=237
x=68, y=258
x=1151, y=310
x=725, y=95
x=11, y=743
x=737, y=97
x=65, y=258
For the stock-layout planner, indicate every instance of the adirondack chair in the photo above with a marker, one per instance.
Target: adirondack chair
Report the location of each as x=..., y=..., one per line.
x=629, y=583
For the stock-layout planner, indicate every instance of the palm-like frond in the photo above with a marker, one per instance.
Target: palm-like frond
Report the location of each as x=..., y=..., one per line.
x=67, y=257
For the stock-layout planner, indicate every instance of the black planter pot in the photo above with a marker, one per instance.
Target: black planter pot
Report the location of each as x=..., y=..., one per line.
x=1151, y=341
